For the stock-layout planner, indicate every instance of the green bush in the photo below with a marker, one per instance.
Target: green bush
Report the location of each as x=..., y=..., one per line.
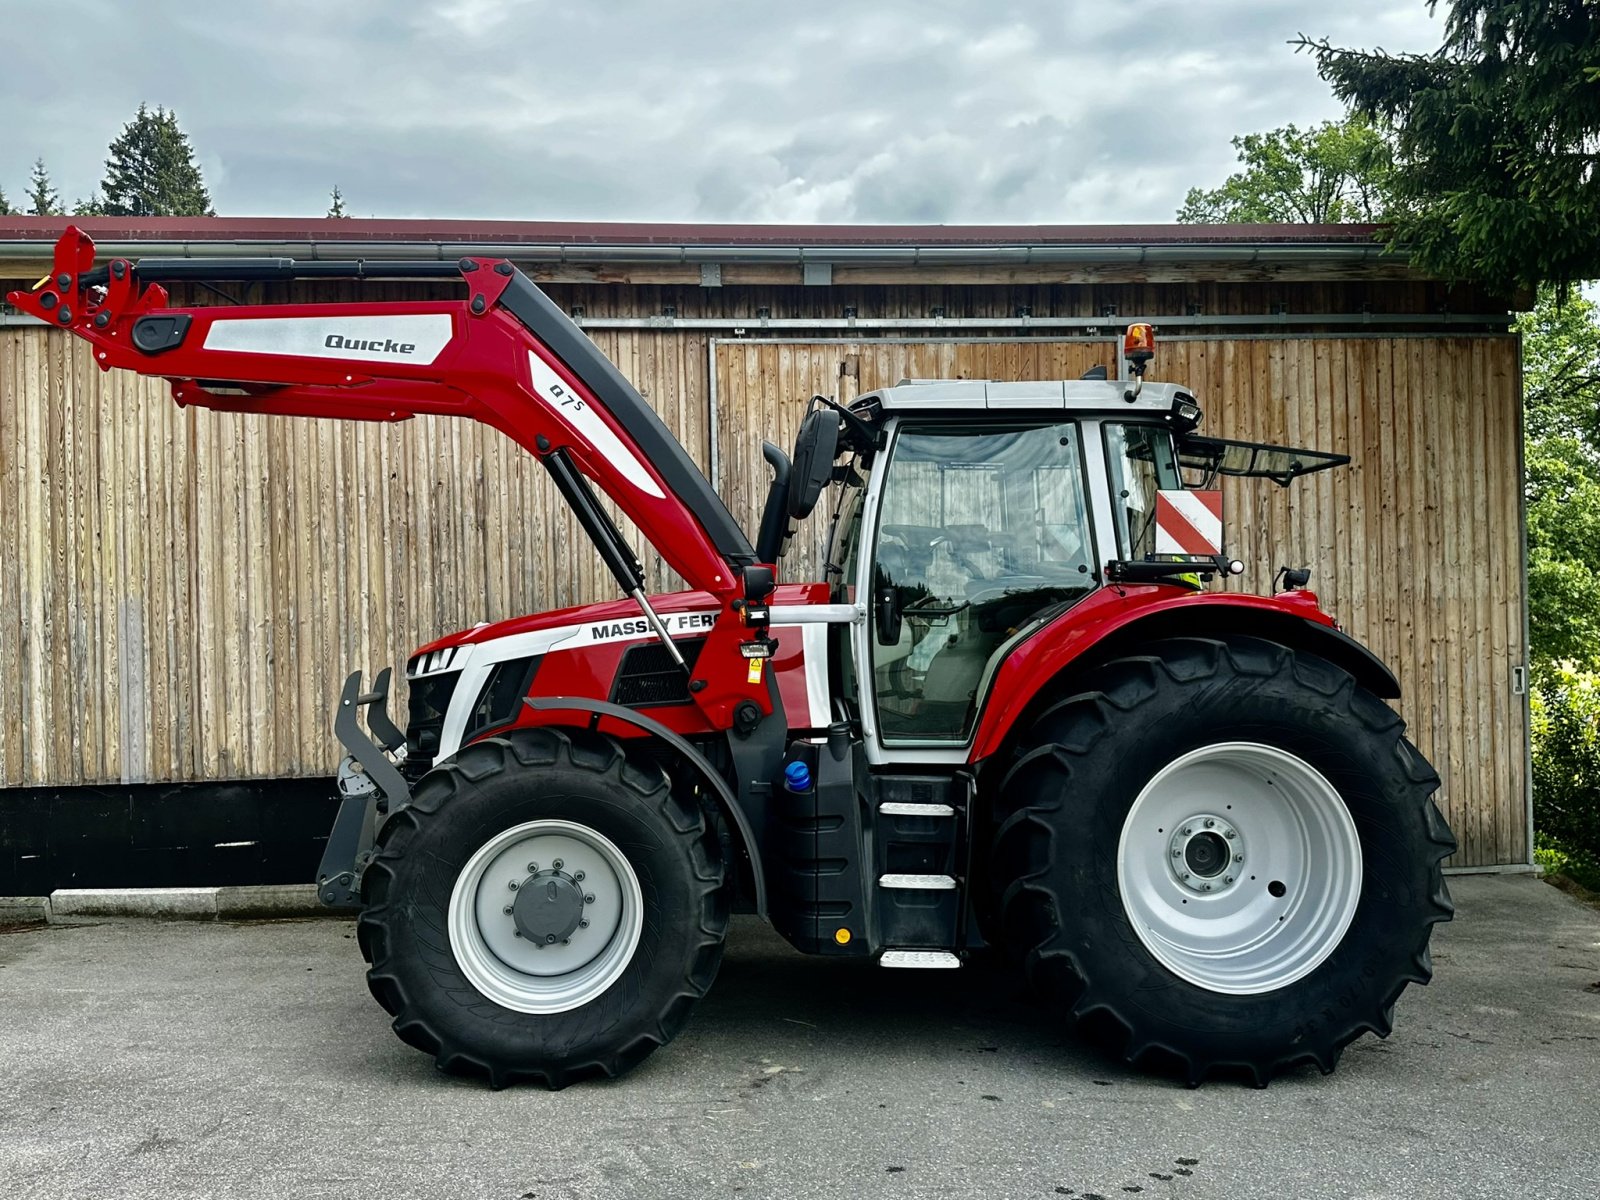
x=1558, y=858
x=1566, y=770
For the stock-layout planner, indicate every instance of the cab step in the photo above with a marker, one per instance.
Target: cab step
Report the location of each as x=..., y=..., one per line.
x=936, y=959
x=922, y=883
x=909, y=808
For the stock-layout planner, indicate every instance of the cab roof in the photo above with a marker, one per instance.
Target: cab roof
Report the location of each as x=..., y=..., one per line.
x=1044, y=396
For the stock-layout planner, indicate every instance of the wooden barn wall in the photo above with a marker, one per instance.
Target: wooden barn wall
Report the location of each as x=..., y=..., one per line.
x=183, y=592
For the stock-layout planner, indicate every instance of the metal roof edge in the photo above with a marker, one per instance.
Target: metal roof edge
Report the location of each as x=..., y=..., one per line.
x=1233, y=254
x=29, y=238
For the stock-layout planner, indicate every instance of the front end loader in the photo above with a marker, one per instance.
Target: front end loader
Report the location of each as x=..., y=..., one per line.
x=1011, y=716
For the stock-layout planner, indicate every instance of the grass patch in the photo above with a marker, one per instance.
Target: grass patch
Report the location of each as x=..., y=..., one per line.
x=1562, y=858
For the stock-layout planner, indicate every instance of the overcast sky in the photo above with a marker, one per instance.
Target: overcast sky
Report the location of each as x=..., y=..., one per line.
x=872, y=111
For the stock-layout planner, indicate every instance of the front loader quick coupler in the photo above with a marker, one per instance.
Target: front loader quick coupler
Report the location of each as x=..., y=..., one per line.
x=369, y=783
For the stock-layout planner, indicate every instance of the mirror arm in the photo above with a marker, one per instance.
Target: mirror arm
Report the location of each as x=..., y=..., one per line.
x=775, y=513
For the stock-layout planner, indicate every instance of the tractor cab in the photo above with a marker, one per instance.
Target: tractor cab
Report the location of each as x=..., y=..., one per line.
x=980, y=512
x=969, y=514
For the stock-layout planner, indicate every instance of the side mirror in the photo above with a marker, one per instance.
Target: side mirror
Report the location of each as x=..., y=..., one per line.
x=814, y=452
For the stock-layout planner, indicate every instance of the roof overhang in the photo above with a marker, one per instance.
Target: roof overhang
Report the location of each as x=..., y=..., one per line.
x=715, y=254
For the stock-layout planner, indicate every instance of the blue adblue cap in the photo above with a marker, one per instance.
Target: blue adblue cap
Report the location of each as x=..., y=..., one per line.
x=797, y=777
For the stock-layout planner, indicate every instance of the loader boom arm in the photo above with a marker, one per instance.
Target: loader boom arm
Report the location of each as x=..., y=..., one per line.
x=504, y=355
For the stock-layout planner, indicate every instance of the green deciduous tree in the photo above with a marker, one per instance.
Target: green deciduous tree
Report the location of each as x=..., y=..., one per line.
x=43, y=199
x=1496, y=136
x=1561, y=405
x=1336, y=171
x=1566, y=771
x=1561, y=398
x=1563, y=552
x=151, y=172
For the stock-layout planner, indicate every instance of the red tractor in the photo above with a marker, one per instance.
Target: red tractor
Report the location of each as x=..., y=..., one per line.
x=1009, y=716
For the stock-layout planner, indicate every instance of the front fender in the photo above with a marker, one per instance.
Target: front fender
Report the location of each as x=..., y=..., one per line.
x=729, y=803
x=1116, y=621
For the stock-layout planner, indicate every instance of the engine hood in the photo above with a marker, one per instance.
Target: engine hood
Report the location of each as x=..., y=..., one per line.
x=609, y=610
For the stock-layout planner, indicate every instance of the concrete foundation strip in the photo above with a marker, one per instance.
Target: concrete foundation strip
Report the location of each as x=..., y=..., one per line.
x=66, y=906
x=265, y=901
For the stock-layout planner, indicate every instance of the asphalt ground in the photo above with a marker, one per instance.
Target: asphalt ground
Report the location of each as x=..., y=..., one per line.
x=189, y=1059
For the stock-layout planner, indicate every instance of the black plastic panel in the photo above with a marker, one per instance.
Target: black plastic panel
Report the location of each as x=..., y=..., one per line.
x=166, y=835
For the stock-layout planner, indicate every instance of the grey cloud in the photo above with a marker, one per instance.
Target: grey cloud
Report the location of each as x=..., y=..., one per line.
x=896, y=111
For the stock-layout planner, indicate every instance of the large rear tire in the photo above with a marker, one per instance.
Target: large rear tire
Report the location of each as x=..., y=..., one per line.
x=1226, y=852
x=544, y=909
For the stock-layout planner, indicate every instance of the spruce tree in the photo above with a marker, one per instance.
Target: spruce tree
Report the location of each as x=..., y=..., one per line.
x=336, y=208
x=1496, y=175
x=46, y=202
x=5, y=207
x=151, y=171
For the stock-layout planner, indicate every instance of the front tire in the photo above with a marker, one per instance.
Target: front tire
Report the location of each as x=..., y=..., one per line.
x=1224, y=850
x=544, y=909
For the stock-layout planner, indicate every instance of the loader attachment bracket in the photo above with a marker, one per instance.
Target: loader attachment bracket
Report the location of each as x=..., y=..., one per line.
x=372, y=781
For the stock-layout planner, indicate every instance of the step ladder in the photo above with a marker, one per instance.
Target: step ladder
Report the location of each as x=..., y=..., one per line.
x=920, y=828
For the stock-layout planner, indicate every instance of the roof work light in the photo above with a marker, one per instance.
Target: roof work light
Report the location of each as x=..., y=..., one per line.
x=1138, y=348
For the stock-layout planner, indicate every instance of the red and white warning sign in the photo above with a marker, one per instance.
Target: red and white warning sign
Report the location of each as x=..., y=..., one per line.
x=1189, y=523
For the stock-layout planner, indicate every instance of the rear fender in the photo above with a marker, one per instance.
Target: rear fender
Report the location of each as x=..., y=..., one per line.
x=1098, y=630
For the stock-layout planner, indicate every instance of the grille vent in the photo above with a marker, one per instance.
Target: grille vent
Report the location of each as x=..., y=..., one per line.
x=648, y=678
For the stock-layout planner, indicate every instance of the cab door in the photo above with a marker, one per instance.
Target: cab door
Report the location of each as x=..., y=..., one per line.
x=976, y=533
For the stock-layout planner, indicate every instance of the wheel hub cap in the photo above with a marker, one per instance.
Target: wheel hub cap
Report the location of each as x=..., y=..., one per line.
x=1239, y=868
x=548, y=908
x=1204, y=852
x=545, y=916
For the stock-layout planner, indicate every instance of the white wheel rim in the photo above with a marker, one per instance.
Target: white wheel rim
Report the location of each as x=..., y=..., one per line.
x=560, y=973
x=1275, y=823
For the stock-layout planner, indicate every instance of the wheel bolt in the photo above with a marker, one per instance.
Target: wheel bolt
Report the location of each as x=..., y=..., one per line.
x=533, y=868
x=1186, y=875
x=509, y=910
x=577, y=877
x=512, y=885
x=566, y=941
x=516, y=933
x=583, y=924
x=588, y=899
x=1238, y=858
x=1207, y=888
x=1186, y=831
x=1227, y=879
x=1209, y=822
x=556, y=865
x=550, y=939
x=1177, y=854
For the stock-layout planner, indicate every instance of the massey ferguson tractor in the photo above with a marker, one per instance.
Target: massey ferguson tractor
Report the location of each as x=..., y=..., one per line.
x=1010, y=716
